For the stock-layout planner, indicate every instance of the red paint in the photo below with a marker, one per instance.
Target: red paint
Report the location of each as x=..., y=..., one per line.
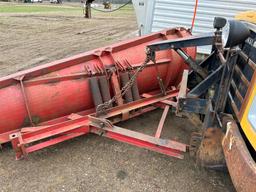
x=139, y=143
x=65, y=88
x=31, y=139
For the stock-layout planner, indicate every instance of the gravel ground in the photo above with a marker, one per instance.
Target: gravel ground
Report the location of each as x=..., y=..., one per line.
x=91, y=163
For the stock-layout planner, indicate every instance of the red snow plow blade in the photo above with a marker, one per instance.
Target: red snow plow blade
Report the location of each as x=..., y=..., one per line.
x=51, y=103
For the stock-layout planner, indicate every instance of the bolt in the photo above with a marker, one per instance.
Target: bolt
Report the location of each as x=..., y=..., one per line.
x=101, y=125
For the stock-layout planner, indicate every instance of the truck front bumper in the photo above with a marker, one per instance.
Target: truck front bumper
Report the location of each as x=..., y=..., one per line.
x=241, y=166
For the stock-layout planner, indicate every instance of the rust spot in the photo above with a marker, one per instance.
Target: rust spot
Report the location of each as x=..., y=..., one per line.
x=241, y=166
x=52, y=82
x=26, y=121
x=210, y=152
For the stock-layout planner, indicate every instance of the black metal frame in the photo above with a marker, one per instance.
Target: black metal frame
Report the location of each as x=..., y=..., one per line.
x=215, y=74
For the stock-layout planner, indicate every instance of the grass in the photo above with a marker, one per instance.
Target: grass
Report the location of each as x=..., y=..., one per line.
x=38, y=8
x=14, y=8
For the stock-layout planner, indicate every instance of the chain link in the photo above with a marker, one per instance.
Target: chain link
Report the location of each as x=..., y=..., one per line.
x=102, y=108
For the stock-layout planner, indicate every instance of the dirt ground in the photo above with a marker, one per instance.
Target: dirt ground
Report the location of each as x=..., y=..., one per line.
x=91, y=163
x=36, y=38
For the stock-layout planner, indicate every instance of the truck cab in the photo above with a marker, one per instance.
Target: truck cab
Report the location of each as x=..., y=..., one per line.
x=239, y=143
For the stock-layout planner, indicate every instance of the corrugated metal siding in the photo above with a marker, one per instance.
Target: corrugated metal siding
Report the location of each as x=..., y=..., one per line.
x=173, y=13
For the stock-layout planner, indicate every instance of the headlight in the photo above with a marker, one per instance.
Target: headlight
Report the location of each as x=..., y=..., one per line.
x=234, y=33
x=225, y=34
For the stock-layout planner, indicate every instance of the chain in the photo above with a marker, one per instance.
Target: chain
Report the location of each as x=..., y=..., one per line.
x=101, y=108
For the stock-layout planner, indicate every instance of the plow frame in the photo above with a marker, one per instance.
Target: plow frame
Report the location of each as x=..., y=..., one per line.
x=183, y=100
x=31, y=139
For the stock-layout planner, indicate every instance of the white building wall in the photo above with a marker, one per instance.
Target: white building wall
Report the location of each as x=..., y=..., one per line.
x=156, y=15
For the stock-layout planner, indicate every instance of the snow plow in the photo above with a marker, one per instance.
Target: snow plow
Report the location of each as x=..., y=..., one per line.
x=93, y=91
x=58, y=101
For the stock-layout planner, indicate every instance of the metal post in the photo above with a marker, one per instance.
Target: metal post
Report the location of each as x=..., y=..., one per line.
x=88, y=14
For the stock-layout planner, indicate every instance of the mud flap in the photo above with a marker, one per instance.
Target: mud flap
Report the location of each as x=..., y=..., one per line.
x=210, y=153
x=207, y=148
